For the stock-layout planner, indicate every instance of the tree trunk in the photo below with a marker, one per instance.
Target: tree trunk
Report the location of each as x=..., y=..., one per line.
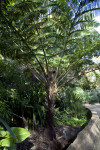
x=49, y=122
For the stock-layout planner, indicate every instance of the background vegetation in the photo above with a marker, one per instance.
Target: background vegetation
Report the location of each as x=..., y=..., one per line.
x=46, y=49
x=22, y=95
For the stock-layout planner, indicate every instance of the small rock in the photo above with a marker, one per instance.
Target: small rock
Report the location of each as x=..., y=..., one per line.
x=36, y=148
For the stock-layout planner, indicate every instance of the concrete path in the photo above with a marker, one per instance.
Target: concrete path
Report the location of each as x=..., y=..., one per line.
x=94, y=108
x=89, y=137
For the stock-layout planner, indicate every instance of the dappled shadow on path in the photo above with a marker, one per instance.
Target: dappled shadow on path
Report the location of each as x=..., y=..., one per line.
x=89, y=138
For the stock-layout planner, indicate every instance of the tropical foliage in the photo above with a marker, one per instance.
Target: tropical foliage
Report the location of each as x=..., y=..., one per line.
x=52, y=38
x=20, y=95
x=13, y=135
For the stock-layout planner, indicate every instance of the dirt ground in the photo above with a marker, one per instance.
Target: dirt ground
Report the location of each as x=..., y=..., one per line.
x=37, y=141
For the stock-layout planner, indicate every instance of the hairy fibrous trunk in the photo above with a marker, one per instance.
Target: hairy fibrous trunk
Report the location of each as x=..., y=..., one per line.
x=49, y=122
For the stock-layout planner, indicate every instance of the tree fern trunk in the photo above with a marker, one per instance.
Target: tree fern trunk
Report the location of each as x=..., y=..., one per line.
x=49, y=122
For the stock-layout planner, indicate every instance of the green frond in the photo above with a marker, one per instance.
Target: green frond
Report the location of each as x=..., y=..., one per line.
x=86, y=11
x=43, y=30
x=76, y=31
x=24, y=4
x=35, y=26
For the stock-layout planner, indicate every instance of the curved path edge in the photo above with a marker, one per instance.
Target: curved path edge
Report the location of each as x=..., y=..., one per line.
x=89, y=137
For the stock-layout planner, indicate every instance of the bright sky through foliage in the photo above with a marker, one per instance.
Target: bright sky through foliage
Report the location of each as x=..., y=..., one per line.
x=97, y=19
x=96, y=59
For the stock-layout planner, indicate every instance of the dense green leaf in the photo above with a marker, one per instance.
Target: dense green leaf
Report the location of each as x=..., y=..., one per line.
x=8, y=128
x=8, y=141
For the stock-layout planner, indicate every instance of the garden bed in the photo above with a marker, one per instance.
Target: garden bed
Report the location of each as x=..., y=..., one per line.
x=37, y=141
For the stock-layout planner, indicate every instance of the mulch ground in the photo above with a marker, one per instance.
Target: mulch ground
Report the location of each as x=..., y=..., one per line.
x=37, y=141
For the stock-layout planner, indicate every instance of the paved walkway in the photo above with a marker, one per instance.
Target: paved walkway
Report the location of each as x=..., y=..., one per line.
x=94, y=108
x=89, y=137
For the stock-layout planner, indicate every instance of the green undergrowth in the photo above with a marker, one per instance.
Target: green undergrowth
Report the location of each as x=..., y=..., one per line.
x=67, y=118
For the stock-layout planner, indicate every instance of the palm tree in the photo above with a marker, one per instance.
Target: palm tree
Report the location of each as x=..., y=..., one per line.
x=42, y=34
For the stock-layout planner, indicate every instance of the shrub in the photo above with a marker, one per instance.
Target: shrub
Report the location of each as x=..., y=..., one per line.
x=69, y=109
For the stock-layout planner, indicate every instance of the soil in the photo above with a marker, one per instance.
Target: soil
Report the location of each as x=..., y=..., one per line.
x=65, y=135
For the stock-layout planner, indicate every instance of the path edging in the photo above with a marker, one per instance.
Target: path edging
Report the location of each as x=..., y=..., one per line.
x=89, y=137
